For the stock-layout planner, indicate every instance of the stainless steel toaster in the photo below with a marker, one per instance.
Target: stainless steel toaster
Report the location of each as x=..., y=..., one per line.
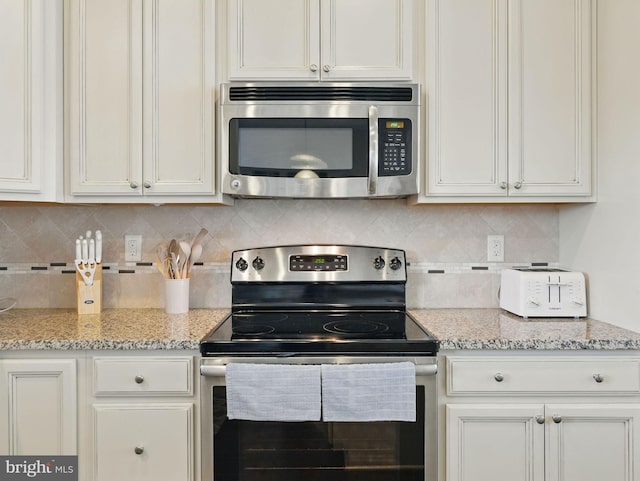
x=543, y=292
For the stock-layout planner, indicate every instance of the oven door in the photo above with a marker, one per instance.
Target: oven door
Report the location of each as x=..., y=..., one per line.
x=236, y=450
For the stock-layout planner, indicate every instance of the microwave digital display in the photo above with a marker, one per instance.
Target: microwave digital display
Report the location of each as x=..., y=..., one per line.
x=394, y=124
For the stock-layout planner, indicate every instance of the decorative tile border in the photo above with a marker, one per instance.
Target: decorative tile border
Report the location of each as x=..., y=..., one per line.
x=107, y=268
x=468, y=267
x=140, y=285
x=223, y=267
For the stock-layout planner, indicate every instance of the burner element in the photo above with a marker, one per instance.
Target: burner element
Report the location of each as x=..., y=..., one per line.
x=355, y=327
x=256, y=324
x=253, y=329
x=266, y=317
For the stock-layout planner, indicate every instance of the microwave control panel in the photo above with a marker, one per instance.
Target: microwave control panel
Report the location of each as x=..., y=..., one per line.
x=394, y=154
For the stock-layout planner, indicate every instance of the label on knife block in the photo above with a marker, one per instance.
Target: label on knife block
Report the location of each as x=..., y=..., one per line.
x=89, y=297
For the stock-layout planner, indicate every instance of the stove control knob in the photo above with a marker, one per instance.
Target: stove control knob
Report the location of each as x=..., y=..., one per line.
x=378, y=262
x=395, y=264
x=258, y=263
x=241, y=265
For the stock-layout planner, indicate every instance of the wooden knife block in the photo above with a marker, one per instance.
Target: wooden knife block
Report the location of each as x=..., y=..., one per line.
x=89, y=297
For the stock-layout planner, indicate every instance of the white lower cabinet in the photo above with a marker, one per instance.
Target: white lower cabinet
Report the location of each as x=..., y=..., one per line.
x=593, y=442
x=143, y=442
x=38, y=407
x=515, y=442
x=503, y=425
x=143, y=425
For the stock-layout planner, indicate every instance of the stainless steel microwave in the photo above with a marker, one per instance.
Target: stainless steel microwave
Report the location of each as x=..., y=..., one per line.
x=319, y=140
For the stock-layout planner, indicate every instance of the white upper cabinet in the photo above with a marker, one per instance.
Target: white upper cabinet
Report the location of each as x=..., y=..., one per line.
x=140, y=82
x=509, y=88
x=30, y=95
x=319, y=39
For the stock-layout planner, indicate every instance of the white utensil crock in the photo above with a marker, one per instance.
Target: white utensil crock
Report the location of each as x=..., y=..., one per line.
x=176, y=296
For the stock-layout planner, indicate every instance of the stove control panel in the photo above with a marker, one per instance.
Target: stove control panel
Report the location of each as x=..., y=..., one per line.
x=321, y=262
x=318, y=263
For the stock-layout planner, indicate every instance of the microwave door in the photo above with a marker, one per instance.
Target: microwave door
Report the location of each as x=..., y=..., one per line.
x=299, y=148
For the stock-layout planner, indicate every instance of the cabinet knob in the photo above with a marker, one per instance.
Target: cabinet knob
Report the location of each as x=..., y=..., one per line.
x=598, y=378
x=147, y=184
x=517, y=185
x=503, y=185
x=138, y=450
x=540, y=419
x=139, y=379
x=498, y=377
x=326, y=68
x=556, y=418
x=133, y=185
x=313, y=67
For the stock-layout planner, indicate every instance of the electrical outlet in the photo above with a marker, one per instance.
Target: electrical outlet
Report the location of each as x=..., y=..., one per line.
x=132, y=248
x=495, y=248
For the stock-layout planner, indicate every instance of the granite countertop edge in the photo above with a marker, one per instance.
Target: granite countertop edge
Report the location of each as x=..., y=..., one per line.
x=153, y=329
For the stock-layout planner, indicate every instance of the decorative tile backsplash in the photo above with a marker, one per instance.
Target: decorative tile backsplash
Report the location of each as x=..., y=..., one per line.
x=445, y=244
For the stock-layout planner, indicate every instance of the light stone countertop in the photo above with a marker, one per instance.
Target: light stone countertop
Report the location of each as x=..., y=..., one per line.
x=496, y=329
x=64, y=329
x=124, y=329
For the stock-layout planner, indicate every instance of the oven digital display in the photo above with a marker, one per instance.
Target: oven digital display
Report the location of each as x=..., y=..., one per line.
x=318, y=263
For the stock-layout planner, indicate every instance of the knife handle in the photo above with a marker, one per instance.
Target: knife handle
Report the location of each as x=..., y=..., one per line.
x=98, y=246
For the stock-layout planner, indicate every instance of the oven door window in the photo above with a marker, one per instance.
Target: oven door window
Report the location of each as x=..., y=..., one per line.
x=308, y=148
x=291, y=451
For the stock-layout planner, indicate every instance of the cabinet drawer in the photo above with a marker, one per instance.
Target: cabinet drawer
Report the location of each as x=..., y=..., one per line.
x=550, y=376
x=143, y=376
x=144, y=442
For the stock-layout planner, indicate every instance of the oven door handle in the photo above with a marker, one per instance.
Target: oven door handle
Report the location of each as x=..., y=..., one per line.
x=220, y=371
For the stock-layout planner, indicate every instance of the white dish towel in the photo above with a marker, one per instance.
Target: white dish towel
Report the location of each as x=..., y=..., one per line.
x=273, y=392
x=369, y=392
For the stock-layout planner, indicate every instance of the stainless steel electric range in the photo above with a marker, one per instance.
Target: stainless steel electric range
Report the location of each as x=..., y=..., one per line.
x=318, y=304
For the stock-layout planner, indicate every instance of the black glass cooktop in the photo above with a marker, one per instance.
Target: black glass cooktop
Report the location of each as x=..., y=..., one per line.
x=290, y=333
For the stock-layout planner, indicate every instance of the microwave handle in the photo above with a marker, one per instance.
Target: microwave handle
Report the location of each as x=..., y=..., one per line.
x=373, y=149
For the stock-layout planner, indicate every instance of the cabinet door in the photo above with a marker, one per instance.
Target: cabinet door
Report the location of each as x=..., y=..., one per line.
x=143, y=442
x=30, y=89
x=593, y=442
x=467, y=90
x=104, y=91
x=366, y=39
x=550, y=97
x=278, y=39
x=178, y=56
x=38, y=399
x=494, y=442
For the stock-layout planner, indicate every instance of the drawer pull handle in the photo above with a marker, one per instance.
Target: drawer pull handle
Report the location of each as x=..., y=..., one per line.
x=556, y=419
x=138, y=379
x=498, y=377
x=138, y=450
x=540, y=419
x=598, y=378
